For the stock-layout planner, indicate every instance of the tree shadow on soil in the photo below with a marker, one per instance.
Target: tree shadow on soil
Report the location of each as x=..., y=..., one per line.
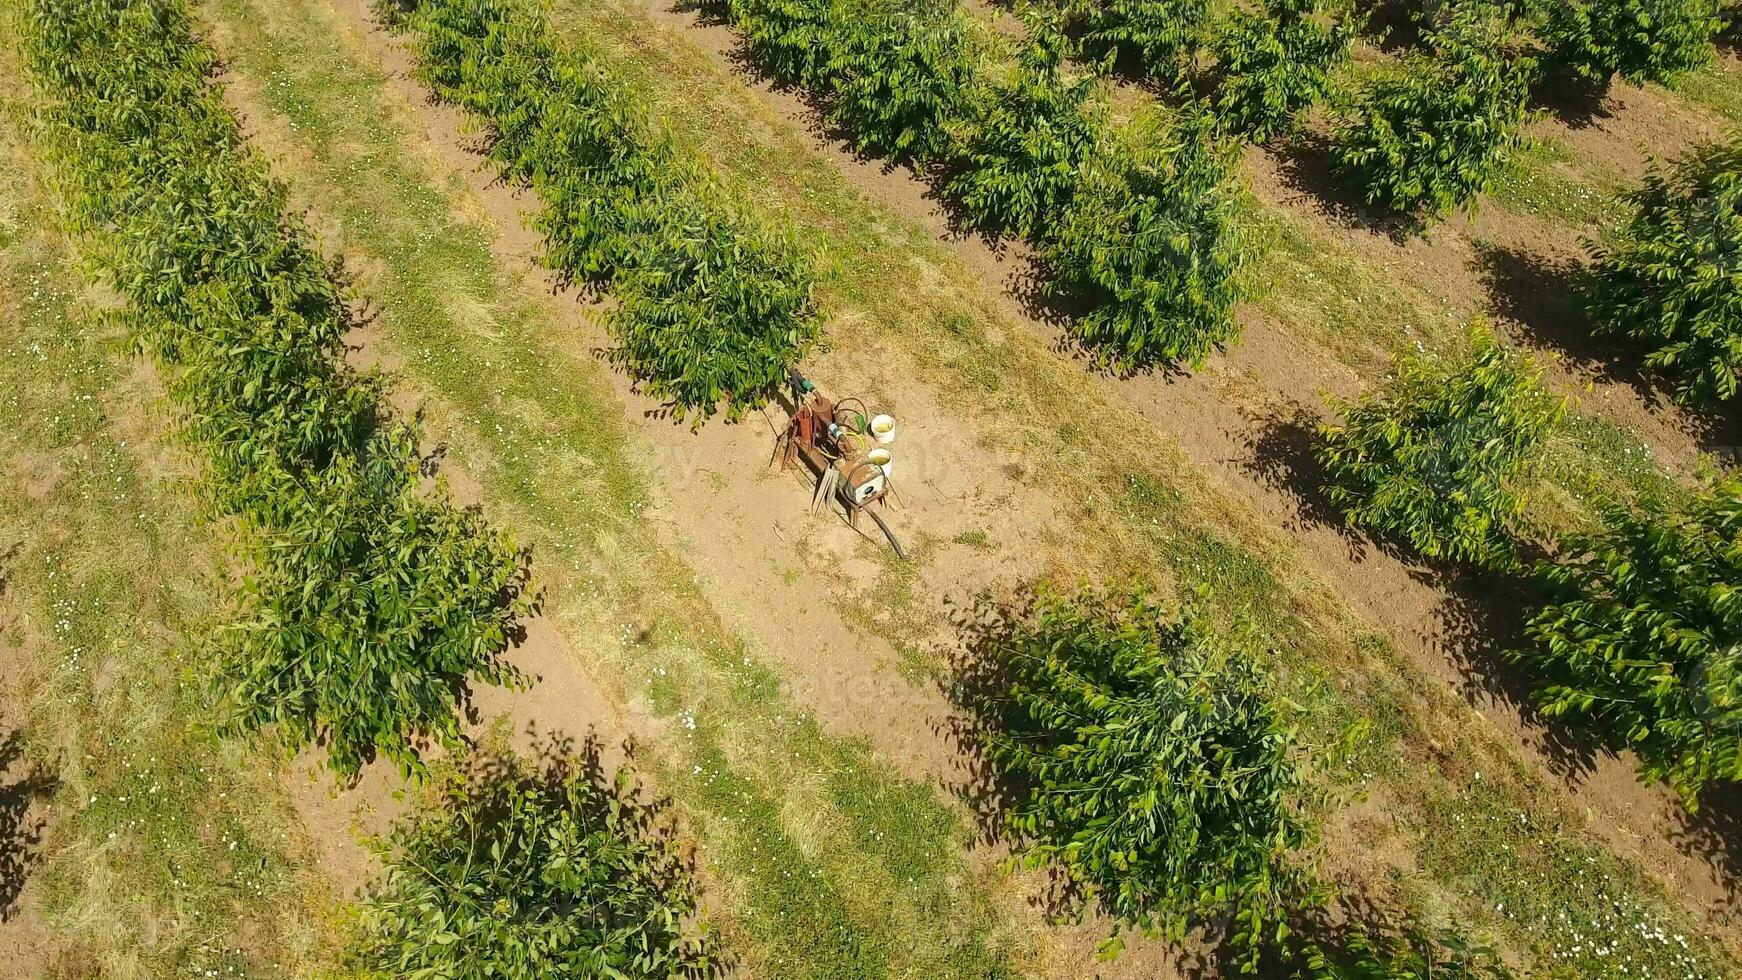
x=1307, y=167
x=1034, y=288
x=1356, y=932
x=1729, y=39
x=1282, y=455
x=1576, y=101
x=24, y=782
x=1540, y=294
x=1481, y=618
x=21, y=830
x=975, y=684
x=1395, y=24
x=550, y=762
x=1715, y=830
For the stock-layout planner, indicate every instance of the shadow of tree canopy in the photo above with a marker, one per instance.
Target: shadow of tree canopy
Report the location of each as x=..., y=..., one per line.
x=1398, y=24
x=1716, y=829
x=1282, y=453
x=1729, y=39
x=1354, y=937
x=21, y=833
x=1307, y=166
x=1540, y=294
x=1575, y=100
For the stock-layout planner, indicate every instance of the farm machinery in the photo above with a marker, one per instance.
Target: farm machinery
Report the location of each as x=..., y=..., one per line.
x=846, y=449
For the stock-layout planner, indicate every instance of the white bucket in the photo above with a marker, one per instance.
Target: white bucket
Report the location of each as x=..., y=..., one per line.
x=882, y=459
x=883, y=429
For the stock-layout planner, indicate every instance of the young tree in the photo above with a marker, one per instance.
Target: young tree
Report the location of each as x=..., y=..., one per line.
x=1161, y=35
x=791, y=39
x=1642, y=40
x=1020, y=163
x=525, y=875
x=1273, y=66
x=899, y=75
x=364, y=602
x=714, y=306
x=1643, y=642
x=367, y=599
x=1430, y=137
x=1435, y=459
x=1671, y=277
x=1152, y=246
x=1154, y=766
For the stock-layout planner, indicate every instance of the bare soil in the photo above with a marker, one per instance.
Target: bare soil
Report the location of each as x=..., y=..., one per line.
x=27, y=947
x=1628, y=128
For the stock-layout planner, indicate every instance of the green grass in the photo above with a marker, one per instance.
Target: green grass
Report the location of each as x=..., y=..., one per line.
x=1317, y=289
x=1717, y=88
x=768, y=797
x=787, y=900
x=532, y=416
x=1593, y=464
x=1536, y=182
x=1573, y=904
x=976, y=539
x=172, y=854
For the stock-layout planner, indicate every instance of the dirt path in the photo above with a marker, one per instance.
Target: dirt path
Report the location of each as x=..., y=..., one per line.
x=1232, y=419
x=1628, y=128
x=27, y=945
x=822, y=600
